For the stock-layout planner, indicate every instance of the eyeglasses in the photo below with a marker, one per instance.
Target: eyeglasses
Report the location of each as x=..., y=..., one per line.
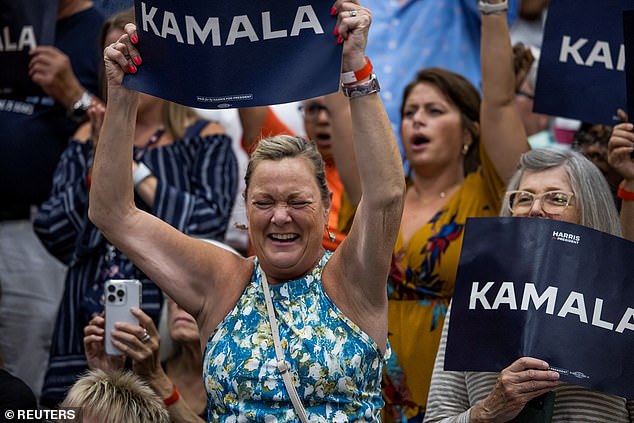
x=525, y=94
x=551, y=202
x=311, y=111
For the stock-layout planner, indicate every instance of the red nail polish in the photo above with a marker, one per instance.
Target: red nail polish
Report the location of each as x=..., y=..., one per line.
x=132, y=69
x=336, y=30
x=339, y=39
x=134, y=39
x=137, y=61
x=333, y=11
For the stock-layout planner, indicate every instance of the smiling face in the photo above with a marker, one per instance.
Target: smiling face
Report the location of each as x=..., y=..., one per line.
x=554, y=179
x=287, y=217
x=432, y=128
x=182, y=326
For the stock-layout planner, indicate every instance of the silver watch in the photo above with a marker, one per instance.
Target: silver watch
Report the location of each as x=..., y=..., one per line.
x=370, y=86
x=487, y=8
x=80, y=107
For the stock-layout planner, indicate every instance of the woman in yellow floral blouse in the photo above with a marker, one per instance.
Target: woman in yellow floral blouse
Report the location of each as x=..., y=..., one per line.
x=442, y=122
x=451, y=178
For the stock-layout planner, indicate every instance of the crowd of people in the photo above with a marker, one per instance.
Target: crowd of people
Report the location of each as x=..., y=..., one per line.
x=338, y=308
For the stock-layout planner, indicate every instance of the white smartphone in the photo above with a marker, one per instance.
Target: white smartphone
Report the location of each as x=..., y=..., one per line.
x=120, y=295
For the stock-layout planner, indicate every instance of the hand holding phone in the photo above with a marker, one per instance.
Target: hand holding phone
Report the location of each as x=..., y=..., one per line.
x=120, y=295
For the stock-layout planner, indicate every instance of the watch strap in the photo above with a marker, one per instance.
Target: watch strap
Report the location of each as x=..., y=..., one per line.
x=370, y=86
x=487, y=8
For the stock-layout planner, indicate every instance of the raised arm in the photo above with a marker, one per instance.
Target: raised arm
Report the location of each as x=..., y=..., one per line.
x=186, y=269
x=620, y=148
x=364, y=257
x=345, y=159
x=502, y=132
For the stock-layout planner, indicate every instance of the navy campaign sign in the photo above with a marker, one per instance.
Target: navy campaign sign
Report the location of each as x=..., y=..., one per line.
x=240, y=53
x=552, y=290
x=581, y=67
x=24, y=24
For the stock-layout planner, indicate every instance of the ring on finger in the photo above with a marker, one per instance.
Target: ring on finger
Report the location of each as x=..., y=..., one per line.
x=353, y=13
x=146, y=336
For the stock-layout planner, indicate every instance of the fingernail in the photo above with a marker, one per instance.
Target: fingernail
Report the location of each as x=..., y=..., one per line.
x=339, y=39
x=333, y=11
x=132, y=69
x=137, y=61
x=336, y=30
x=134, y=39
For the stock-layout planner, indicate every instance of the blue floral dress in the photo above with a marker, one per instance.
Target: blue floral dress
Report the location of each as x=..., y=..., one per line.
x=339, y=366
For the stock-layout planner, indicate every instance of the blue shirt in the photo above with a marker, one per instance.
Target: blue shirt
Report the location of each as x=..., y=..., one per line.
x=409, y=35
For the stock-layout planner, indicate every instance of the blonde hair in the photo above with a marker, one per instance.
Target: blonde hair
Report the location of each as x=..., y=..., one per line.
x=286, y=146
x=117, y=397
x=176, y=117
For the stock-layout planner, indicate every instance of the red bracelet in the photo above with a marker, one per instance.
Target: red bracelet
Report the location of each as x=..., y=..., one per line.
x=88, y=181
x=172, y=398
x=624, y=194
x=360, y=75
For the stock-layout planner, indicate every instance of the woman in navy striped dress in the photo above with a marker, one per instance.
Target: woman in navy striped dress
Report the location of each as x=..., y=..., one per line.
x=185, y=173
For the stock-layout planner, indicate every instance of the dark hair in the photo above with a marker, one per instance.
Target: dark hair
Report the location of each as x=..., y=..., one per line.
x=459, y=92
x=592, y=133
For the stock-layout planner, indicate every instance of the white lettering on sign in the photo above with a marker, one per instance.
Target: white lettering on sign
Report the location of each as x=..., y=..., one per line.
x=241, y=26
x=25, y=41
x=574, y=304
x=600, y=54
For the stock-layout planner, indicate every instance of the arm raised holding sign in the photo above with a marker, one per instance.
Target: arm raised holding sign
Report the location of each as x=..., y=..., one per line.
x=620, y=157
x=334, y=303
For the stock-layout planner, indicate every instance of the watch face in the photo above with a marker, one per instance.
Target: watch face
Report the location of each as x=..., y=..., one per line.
x=81, y=106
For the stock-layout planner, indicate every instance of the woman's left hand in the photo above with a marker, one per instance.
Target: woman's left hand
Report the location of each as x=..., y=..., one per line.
x=353, y=25
x=143, y=350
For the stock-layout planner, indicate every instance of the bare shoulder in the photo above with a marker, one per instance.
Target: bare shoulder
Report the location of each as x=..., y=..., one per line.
x=230, y=286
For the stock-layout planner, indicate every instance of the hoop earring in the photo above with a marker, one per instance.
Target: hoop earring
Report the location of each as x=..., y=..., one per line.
x=465, y=149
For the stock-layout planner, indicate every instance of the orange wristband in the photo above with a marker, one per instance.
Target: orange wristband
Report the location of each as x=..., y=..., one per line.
x=360, y=75
x=624, y=194
x=172, y=398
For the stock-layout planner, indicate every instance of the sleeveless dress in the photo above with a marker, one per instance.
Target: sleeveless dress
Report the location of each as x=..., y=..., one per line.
x=339, y=366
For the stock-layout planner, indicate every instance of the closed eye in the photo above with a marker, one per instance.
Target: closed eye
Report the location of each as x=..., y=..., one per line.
x=263, y=204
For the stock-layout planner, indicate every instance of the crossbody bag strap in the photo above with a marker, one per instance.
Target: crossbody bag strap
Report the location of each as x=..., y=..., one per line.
x=282, y=365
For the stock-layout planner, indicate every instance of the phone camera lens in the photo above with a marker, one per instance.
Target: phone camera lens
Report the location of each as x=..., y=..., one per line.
x=120, y=293
x=111, y=298
x=111, y=288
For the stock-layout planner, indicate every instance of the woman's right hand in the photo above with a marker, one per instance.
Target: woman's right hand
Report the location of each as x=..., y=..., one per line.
x=95, y=349
x=122, y=56
x=525, y=379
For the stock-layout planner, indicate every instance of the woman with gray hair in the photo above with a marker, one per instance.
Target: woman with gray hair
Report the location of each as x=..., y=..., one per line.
x=549, y=184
